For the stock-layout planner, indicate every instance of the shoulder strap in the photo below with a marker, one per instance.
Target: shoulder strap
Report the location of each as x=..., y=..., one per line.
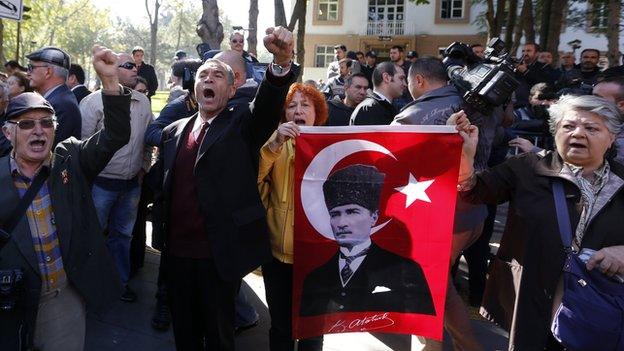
x=25, y=201
x=563, y=216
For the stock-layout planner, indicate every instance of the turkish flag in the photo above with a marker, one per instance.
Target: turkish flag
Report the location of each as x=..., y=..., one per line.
x=374, y=209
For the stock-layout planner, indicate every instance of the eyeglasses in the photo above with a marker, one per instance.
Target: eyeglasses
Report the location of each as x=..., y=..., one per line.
x=235, y=41
x=31, y=68
x=26, y=124
x=128, y=65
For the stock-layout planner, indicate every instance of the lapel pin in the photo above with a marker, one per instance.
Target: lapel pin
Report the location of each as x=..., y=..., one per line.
x=65, y=176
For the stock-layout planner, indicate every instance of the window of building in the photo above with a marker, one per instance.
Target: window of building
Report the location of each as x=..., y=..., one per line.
x=451, y=9
x=598, y=15
x=327, y=10
x=324, y=55
x=386, y=17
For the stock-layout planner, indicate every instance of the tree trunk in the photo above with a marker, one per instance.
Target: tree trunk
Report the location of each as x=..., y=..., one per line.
x=280, y=15
x=494, y=17
x=153, y=30
x=529, y=23
x=554, y=30
x=526, y=6
x=511, y=23
x=545, y=23
x=180, y=14
x=18, y=41
x=209, y=29
x=2, y=57
x=299, y=17
x=252, y=38
x=613, y=32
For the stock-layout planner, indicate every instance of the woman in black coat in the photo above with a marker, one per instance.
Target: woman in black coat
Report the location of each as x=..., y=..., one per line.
x=524, y=286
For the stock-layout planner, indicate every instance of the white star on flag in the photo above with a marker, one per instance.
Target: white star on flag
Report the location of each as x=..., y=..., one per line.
x=415, y=190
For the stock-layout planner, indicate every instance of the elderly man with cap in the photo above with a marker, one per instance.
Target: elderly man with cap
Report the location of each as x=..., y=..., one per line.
x=362, y=276
x=51, y=235
x=48, y=71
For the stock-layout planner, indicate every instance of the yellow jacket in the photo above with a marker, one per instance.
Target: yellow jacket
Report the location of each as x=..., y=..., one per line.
x=276, y=184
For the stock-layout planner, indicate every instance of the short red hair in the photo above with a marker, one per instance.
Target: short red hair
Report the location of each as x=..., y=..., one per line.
x=318, y=100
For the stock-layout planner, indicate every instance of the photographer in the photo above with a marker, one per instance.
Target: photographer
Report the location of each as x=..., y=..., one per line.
x=54, y=264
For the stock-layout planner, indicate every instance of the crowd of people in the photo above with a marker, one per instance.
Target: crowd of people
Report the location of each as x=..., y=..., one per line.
x=218, y=166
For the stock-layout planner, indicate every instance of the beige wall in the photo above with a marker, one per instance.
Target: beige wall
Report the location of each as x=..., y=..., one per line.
x=423, y=44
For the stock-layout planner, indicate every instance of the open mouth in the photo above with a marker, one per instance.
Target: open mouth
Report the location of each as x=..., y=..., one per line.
x=300, y=121
x=578, y=146
x=209, y=93
x=37, y=145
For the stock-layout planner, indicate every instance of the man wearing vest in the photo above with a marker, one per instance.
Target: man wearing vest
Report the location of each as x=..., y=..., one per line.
x=213, y=220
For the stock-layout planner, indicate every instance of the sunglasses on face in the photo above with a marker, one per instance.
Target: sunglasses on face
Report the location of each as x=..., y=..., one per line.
x=128, y=65
x=31, y=68
x=236, y=41
x=26, y=124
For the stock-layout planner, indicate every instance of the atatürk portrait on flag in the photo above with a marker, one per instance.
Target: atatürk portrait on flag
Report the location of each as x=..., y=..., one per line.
x=362, y=276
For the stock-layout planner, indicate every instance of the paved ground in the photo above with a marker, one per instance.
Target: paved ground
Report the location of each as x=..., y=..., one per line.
x=126, y=327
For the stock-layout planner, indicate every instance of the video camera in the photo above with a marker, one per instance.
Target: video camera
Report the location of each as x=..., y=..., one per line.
x=186, y=70
x=483, y=83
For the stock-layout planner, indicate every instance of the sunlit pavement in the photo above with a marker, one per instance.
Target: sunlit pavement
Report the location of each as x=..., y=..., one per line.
x=126, y=326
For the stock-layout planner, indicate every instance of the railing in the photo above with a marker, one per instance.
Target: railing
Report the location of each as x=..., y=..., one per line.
x=385, y=28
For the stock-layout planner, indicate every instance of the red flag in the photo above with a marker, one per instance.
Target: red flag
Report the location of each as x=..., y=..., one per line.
x=373, y=223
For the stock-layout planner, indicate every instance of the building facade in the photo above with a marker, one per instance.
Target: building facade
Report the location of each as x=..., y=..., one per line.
x=364, y=25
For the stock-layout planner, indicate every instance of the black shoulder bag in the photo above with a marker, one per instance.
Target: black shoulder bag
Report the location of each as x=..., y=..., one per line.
x=11, y=279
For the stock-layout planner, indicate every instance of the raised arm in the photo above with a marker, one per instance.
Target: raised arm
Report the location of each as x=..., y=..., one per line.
x=267, y=106
x=96, y=151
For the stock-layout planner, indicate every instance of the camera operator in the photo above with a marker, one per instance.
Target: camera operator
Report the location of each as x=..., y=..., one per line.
x=52, y=238
x=434, y=102
x=530, y=72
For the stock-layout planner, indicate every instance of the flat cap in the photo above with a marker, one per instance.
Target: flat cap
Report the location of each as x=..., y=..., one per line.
x=179, y=55
x=51, y=54
x=355, y=184
x=371, y=54
x=25, y=102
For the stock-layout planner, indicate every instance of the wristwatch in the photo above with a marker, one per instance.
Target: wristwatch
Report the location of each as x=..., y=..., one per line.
x=280, y=70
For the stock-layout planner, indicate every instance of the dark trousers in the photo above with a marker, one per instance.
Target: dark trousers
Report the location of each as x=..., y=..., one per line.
x=477, y=256
x=202, y=305
x=278, y=280
x=137, y=245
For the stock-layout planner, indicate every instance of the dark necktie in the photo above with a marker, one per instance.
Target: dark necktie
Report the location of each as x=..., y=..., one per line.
x=346, y=272
x=202, y=132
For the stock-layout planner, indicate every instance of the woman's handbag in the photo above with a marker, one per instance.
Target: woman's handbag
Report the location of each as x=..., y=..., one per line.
x=591, y=314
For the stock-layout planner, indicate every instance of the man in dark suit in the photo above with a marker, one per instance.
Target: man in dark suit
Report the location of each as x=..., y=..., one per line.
x=362, y=276
x=58, y=242
x=213, y=220
x=377, y=108
x=76, y=81
x=48, y=71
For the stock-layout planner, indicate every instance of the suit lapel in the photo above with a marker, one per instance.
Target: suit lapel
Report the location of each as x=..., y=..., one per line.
x=216, y=128
x=60, y=196
x=170, y=150
x=9, y=198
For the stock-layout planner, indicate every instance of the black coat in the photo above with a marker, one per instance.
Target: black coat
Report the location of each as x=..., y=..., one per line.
x=374, y=110
x=226, y=172
x=147, y=71
x=88, y=266
x=67, y=114
x=408, y=290
x=339, y=113
x=524, y=275
x=80, y=92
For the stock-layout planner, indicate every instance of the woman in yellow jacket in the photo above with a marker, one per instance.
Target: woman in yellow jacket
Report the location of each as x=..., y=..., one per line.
x=304, y=106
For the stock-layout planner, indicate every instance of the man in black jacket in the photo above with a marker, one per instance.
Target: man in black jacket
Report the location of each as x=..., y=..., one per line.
x=145, y=70
x=76, y=81
x=530, y=72
x=58, y=242
x=340, y=111
x=376, y=109
x=362, y=276
x=212, y=215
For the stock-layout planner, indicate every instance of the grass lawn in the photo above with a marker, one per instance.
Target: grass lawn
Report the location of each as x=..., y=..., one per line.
x=159, y=100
